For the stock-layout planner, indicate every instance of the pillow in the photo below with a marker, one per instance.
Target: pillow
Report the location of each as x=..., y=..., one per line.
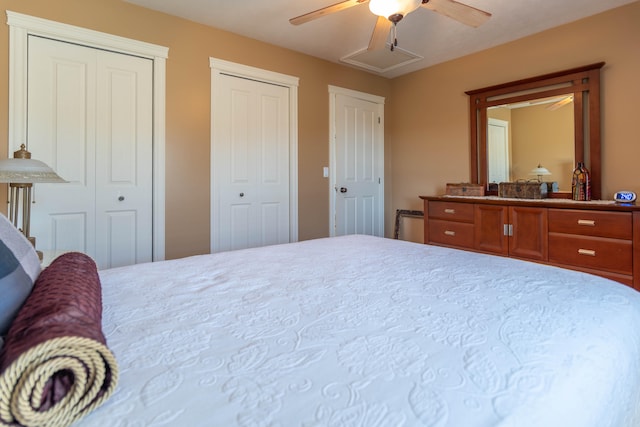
x=19, y=269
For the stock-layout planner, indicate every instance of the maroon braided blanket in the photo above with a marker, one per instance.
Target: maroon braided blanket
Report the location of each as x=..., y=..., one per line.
x=55, y=366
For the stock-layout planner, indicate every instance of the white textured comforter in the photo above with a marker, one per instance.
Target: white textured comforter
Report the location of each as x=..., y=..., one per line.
x=364, y=331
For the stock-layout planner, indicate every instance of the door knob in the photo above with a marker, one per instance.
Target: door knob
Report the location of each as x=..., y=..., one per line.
x=241, y=194
x=343, y=189
x=121, y=198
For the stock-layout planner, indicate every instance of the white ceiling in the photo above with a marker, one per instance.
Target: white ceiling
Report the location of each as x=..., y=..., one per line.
x=425, y=33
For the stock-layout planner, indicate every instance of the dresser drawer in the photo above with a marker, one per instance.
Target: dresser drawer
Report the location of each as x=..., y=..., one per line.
x=451, y=211
x=451, y=233
x=599, y=253
x=616, y=225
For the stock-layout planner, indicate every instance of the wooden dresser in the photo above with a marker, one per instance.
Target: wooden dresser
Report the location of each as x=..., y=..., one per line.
x=598, y=237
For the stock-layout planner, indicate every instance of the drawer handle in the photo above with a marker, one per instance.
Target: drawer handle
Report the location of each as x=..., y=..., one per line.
x=449, y=211
x=450, y=233
x=589, y=222
x=587, y=252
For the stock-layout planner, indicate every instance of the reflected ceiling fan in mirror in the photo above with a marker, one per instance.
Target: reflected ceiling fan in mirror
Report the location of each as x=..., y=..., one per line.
x=390, y=12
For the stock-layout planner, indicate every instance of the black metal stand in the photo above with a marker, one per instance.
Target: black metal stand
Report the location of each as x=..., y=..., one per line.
x=405, y=213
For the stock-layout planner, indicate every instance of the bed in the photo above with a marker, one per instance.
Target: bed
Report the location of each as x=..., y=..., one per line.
x=367, y=331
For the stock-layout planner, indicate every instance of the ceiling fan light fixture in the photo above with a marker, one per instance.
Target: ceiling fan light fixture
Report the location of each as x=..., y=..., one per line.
x=389, y=8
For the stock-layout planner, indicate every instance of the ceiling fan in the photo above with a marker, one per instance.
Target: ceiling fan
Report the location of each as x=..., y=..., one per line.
x=390, y=12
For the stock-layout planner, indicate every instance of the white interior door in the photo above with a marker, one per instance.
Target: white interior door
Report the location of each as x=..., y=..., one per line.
x=498, y=160
x=90, y=118
x=250, y=164
x=358, y=164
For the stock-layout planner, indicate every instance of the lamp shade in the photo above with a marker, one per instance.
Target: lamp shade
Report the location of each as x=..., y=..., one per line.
x=387, y=8
x=540, y=171
x=22, y=169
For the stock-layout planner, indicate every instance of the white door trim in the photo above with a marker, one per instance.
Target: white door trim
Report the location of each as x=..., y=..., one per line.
x=22, y=26
x=219, y=67
x=333, y=92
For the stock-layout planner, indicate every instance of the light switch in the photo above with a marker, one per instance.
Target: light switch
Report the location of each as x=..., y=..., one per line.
x=325, y=172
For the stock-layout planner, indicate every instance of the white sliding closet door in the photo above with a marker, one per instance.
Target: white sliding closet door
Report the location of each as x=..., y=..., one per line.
x=90, y=118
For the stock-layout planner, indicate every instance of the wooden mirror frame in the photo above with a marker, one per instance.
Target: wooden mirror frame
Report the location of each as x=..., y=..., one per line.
x=583, y=82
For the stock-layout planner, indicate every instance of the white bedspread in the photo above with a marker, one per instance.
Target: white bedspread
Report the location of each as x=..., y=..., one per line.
x=364, y=331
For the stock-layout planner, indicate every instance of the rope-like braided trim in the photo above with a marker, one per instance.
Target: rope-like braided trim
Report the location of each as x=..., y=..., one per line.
x=22, y=383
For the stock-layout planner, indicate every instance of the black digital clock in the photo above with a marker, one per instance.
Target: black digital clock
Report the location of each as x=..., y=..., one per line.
x=624, y=196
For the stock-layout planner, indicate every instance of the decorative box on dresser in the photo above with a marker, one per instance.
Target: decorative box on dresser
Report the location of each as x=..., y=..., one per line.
x=597, y=237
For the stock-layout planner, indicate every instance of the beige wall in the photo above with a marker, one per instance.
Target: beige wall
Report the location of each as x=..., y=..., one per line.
x=545, y=137
x=188, y=109
x=428, y=117
x=426, y=130
x=538, y=135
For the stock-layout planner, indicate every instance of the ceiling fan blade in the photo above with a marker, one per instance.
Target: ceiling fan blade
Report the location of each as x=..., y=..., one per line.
x=380, y=34
x=561, y=103
x=460, y=12
x=325, y=11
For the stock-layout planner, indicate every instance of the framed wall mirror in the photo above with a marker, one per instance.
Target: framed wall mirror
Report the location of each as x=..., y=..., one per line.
x=551, y=121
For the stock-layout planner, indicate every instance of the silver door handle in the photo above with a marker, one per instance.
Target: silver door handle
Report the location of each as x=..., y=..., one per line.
x=343, y=189
x=121, y=198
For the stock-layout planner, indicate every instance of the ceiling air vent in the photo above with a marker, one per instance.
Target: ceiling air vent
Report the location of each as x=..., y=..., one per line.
x=381, y=60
